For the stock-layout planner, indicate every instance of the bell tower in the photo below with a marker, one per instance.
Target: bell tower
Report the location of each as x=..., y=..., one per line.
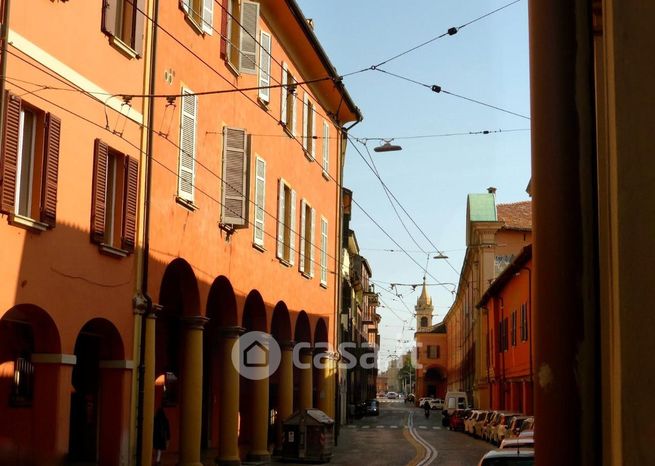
x=424, y=310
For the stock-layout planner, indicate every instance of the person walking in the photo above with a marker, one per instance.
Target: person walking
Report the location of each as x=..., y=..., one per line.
x=426, y=408
x=161, y=434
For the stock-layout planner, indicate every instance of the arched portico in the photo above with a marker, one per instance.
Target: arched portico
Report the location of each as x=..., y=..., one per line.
x=303, y=396
x=281, y=382
x=321, y=370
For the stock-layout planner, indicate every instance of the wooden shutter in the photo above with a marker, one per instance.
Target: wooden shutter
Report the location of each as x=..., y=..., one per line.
x=312, y=225
x=186, y=172
x=130, y=204
x=301, y=259
x=283, y=99
x=326, y=147
x=208, y=16
x=292, y=230
x=109, y=16
x=9, y=161
x=305, y=122
x=224, y=31
x=48, y=205
x=248, y=43
x=293, y=106
x=139, y=27
x=265, y=67
x=260, y=201
x=99, y=191
x=311, y=114
x=281, y=224
x=324, y=246
x=235, y=170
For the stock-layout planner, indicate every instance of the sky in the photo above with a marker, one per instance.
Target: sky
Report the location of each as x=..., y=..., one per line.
x=431, y=176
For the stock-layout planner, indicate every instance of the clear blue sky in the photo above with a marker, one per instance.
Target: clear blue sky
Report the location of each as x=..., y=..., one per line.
x=431, y=177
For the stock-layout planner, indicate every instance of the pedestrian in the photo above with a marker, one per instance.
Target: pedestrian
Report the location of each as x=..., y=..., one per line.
x=161, y=434
x=426, y=407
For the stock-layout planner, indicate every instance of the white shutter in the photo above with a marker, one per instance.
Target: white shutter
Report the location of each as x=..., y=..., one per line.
x=301, y=260
x=305, y=121
x=324, y=246
x=185, y=5
x=326, y=147
x=208, y=16
x=280, y=219
x=293, y=109
x=265, y=67
x=283, y=100
x=292, y=232
x=249, y=19
x=186, y=170
x=260, y=200
x=312, y=133
x=234, y=199
x=311, y=242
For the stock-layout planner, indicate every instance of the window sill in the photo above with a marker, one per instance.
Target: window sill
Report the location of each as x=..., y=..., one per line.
x=122, y=47
x=27, y=223
x=284, y=262
x=262, y=103
x=112, y=251
x=287, y=130
x=325, y=175
x=324, y=285
x=306, y=275
x=308, y=155
x=259, y=247
x=197, y=27
x=186, y=203
x=233, y=69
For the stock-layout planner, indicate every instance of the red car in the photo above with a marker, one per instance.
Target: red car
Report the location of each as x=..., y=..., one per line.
x=456, y=420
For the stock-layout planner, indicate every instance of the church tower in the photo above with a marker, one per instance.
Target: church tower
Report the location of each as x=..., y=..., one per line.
x=424, y=310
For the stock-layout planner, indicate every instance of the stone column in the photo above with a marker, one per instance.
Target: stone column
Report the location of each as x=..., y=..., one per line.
x=260, y=417
x=191, y=384
x=148, y=390
x=285, y=389
x=228, y=433
x=306, y=401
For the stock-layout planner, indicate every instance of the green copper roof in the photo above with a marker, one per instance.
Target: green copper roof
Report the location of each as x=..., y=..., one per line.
x=482, y=208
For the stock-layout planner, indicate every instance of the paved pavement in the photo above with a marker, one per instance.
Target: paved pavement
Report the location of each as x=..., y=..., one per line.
x=401, y=435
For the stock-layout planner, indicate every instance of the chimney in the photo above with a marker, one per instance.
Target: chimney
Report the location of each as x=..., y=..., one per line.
x=491, y=190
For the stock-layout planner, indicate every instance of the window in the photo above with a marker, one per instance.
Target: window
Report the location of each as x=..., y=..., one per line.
x=424, y=321
x=505, y=335
x=308, y=127
x=288, y=102
x=124, y=20
x=286, y=223
x=240, y=27
x=22, y=389
x=513, y=328
x=307, y=227
x=30, y=165
x=432, y=352
x=201, y=13
x=326, y=148
x=524, y=322
x=186, y=166
x=234, y=193
x=324, y=249
x=265, y=67
x=260, y=201
x=114, y=202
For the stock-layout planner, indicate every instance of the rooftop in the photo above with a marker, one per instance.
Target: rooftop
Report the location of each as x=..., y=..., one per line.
x=516, y=216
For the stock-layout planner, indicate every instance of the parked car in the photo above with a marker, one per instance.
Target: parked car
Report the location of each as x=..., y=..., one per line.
x=381, y=394
x=515, y=426
x=470, y=421
x=372, y=408
x=421, y=401
x=456, y=420
x=436, y=403
x=481, y=423
x=507, y=457
x=498, y=430
x=392, y=395
x=517, y=443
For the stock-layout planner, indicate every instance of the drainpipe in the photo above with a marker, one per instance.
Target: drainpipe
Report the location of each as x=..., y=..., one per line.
x=3, y=58
x=143, y=285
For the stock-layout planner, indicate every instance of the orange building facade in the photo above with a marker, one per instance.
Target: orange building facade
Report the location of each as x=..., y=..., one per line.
x=508, y=304
x=170, y=182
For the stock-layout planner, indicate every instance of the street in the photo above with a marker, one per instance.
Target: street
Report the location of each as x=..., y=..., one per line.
x=401, y=435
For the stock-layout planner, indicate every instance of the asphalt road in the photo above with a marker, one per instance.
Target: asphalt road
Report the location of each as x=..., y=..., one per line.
x=401, y=435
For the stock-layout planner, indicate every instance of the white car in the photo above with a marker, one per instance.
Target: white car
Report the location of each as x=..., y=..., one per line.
x=421, y=401
x=436, y=403
x=517, y=443
x=508, y=457
x=392, y=395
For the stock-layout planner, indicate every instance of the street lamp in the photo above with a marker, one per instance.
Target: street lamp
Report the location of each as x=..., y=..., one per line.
x=387, y=147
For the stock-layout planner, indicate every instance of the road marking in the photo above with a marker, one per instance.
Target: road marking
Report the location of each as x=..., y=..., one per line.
x=351, y=426
x=430, y=452
x=379, y=427
x=394, y=427
x=422, y=427
x=366, y=427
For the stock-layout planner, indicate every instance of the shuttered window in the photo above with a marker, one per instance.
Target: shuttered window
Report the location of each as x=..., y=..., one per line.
x=307, y=227
x=186, y=166
x=265, y=67
x=30, y=162
x=125, y=21
x=326, y=148
x=308, y=127
x=524, y=322
x=114, y=201
x=324, y=249
x=249, y=19
x=288, y=100
x=286, y=223
x=260, y=201
x=234, y=199
x=201, y=13
x=514, y=328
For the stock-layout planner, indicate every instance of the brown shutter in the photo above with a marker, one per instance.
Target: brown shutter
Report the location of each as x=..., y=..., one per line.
x=99, y=191
x=139, y=26
x=224, y=19
x=50, y=170
x=9, y=160
x=109, y=11
x=130, y=198
x=235, y=168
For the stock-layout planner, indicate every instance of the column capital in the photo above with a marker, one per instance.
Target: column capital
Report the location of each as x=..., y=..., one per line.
x=231, y=332
x=194, y=322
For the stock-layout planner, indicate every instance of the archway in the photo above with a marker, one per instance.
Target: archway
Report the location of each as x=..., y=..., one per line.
x=302, y=336
x=281, y=382
x=435, y=383
x=97, y=404
x=319, y=371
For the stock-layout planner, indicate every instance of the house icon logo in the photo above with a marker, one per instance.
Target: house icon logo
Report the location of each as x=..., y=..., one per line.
x=256, y=355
